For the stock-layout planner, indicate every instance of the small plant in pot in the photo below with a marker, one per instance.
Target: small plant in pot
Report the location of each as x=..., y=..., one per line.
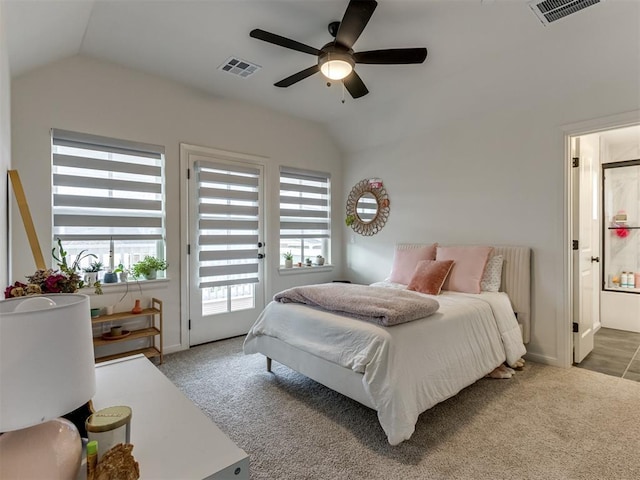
x=288, y=259
x=148, y=267
x=308, y=262
x=91, y=272
x=319, y=260
x=123, y=273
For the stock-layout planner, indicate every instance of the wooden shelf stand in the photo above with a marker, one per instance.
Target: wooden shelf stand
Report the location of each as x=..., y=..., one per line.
x=153, y=331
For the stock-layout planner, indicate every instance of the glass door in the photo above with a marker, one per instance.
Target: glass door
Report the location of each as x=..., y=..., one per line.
x=621, y=217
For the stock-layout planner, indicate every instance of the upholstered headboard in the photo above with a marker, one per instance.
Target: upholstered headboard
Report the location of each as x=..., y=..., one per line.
x=516, y=280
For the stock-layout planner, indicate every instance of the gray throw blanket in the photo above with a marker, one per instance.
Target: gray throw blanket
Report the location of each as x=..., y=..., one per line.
x=384, y=306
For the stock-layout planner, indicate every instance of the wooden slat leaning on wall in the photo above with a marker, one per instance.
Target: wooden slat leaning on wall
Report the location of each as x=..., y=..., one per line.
x=23, y=206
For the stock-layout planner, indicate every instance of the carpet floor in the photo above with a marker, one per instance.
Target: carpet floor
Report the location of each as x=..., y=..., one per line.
x=544, y=423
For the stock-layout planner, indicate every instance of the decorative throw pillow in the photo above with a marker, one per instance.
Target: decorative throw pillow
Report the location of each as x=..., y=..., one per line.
x=468, y=268
x=429, y=276
x=492, y=276
x=405, y=261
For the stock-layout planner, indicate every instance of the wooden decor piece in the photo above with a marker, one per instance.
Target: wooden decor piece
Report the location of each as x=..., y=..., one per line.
x=23, y=206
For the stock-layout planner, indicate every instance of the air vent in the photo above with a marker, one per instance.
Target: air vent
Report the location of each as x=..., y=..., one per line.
x=237, y=66
x=548, y=11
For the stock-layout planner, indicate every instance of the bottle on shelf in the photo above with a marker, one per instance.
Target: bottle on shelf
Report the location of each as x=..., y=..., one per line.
x=631, y=281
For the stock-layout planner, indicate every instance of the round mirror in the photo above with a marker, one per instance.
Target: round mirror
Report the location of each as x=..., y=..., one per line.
x=367, y=207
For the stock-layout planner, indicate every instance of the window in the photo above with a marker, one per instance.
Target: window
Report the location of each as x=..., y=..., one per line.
x=107, y=190
x=305, y=214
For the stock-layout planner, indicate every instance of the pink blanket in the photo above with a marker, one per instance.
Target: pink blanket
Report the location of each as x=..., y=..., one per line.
x=384, y=306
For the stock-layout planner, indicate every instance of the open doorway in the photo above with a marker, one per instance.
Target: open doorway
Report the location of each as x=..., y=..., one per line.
x=605, y=228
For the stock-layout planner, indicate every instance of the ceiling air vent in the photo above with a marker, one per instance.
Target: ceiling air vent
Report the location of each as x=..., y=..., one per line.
x=237, y=66
x=548, y=11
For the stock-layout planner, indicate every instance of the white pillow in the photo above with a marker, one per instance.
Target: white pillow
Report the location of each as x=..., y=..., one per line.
x=492, y=276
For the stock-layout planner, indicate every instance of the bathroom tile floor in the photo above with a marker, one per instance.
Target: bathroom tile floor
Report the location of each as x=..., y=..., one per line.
x=616, y=353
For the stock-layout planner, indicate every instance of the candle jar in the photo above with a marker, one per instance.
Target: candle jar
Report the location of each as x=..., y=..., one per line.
x=109, y=427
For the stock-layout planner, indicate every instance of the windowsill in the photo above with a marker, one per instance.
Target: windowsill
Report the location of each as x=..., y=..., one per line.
x=304, y=269
x=122, y=286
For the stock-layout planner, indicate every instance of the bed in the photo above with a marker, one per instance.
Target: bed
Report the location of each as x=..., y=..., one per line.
x=403, y=370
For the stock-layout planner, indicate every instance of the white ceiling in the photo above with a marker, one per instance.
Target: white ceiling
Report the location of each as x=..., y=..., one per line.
x=483, y=41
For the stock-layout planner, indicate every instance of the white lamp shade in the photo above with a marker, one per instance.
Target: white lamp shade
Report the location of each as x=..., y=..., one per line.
x=336, y=69
x=47, y=366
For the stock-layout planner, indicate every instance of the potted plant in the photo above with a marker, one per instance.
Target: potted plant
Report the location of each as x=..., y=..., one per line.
x=308, y=262
x=91, y=272
x=288, y=259
x=319, y=260
x=123, y=273
x=148, y=267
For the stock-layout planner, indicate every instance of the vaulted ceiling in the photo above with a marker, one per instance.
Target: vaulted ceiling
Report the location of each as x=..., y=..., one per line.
x=484, y=42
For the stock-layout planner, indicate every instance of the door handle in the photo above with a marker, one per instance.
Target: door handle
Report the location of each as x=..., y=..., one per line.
x=595, y=259
x=261, y=255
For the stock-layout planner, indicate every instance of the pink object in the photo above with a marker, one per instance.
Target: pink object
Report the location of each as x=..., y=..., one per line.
x=406, y=260
x=429, y=276
x=137, y=308
x=622, y=232
x=51, y=449
x=468, y=267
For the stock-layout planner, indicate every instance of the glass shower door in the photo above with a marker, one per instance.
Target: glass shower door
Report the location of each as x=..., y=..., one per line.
x=621, y=217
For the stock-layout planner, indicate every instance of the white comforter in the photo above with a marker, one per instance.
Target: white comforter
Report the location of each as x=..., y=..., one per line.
x=406, y=368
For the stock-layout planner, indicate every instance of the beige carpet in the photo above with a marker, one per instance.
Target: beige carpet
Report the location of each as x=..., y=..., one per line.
x=545, y=423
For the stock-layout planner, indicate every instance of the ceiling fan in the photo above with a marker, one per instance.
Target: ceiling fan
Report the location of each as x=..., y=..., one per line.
x=336, y=59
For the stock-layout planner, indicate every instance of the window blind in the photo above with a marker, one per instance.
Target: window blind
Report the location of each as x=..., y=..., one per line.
x=304, y=204
x=228, y=224
x=106, y=189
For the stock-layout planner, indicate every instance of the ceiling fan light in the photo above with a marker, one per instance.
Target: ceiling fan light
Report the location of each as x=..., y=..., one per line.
x=336, y=66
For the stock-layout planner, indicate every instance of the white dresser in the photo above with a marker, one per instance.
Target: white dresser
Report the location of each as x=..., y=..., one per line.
x=171, y=437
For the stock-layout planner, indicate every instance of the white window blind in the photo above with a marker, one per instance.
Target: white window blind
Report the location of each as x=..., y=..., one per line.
x=304, y=204
x=228, y=224
x=107, y=189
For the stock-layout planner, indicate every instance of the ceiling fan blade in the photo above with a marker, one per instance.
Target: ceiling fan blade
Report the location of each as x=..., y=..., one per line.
x=296, y=77
x=283, y=41
x=393, y=56
x=354, y=84
x=354, y=20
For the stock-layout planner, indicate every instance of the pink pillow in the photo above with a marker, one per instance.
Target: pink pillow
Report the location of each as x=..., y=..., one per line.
x=466, y=273
x=430, y=276
x=405, y=261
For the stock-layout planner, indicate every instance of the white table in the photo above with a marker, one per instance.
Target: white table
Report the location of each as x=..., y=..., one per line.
x=171, y=437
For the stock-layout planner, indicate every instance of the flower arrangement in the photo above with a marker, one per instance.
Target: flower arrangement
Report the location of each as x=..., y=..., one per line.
x=64, y=280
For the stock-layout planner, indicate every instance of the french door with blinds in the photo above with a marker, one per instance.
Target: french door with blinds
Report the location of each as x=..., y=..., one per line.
x=226, y=292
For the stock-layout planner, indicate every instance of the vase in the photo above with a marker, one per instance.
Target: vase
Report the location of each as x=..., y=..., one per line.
x=110, y=277
x=288, y=263
x=90, y=278
x=151, y=275
x=137, y=308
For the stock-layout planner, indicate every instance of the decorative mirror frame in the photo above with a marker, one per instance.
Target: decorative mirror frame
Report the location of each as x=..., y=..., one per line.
x=373, y=186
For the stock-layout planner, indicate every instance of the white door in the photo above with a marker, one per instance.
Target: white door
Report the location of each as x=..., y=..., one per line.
x=226, y=292
x=586, y=305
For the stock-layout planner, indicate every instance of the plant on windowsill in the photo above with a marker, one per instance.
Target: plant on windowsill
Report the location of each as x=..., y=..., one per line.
x=123, y=273
x=148, y=267
x=308, y=262
x=288, y=259
x=91, y=272
x=64, y=280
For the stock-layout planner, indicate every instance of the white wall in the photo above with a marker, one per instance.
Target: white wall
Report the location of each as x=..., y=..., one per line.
x=87, y=95
x=465, y=165
x=5, y=149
